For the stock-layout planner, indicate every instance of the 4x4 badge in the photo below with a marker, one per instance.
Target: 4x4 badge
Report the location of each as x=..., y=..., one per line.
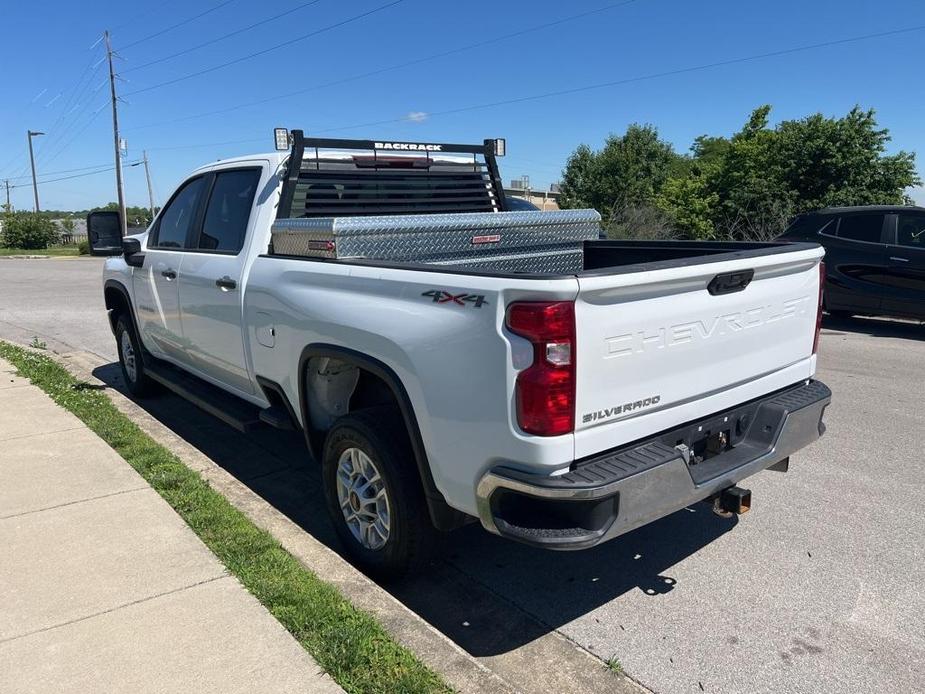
x=440, y=296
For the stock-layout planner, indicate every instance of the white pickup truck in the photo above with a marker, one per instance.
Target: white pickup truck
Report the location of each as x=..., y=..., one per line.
x=449, y=359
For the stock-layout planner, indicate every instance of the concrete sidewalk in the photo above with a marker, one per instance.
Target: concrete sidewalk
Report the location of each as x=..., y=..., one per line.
x=103, y=587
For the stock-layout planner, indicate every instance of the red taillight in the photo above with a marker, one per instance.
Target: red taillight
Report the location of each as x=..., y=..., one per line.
x=819, y=307
x=546, y=389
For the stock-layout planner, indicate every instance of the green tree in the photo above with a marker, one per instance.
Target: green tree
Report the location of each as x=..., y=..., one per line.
x=628, y=171
x=747, y=186
x=744, y=174
x=28, y=231
x=765, y=176
x=841, y=161
x=708, y=150
x=689, y=206
x=578, y=179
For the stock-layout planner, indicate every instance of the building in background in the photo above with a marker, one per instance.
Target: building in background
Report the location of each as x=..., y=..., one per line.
x=543, y=199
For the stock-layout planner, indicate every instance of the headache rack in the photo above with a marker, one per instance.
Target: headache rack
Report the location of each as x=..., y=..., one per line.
x=347, y=178
x=413, y=202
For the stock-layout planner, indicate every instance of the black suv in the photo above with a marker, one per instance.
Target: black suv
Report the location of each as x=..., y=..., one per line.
x=874, y=258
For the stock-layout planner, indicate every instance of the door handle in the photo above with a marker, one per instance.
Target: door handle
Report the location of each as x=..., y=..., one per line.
x=226, y=283
x=899, y=260
x=169, y=274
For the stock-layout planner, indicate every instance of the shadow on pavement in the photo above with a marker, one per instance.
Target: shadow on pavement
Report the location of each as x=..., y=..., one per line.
x=463, y=592
x=875, y=327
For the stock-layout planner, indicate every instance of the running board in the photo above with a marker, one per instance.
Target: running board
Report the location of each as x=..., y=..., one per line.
x=232, y=410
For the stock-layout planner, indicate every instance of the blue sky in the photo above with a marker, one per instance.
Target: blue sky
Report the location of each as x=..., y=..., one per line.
x=55, y=85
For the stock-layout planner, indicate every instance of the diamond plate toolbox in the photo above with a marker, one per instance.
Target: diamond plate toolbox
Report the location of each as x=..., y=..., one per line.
x=489, y=240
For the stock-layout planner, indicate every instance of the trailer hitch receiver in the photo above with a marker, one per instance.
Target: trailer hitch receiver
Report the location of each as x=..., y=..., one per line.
x=732, y=501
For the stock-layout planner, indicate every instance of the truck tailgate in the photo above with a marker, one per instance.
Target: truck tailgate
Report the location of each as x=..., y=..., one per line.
x=659, y=347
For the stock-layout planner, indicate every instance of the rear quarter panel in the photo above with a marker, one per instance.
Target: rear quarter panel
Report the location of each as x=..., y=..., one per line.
x=458, y=363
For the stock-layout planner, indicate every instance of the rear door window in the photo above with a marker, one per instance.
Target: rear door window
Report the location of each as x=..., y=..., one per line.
x=809, y=225
x=910, y=230
x=861, y=227
x=229, y=210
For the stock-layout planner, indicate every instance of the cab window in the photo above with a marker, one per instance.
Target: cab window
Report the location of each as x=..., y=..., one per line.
x=178, y=216
x=228, y=210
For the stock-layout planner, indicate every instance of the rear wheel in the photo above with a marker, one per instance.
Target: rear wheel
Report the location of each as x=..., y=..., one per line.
x=374, y=494
x=133, y=368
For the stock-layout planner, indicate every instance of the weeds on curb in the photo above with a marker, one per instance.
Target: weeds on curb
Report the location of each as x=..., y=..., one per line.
x=613, y=665
x=348, y=643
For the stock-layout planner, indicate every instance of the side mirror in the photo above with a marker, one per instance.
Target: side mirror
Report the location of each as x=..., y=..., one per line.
x=131, y=250
x=104, y=233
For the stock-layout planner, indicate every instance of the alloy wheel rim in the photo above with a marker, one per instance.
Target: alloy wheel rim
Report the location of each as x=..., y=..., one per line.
x=363, y=499
x=128, y=357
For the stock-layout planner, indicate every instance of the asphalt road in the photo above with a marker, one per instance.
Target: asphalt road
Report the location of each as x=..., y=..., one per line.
x=820, y=588
x=59, y=300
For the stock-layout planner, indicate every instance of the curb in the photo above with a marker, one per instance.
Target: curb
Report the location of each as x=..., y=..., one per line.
x=551, y=662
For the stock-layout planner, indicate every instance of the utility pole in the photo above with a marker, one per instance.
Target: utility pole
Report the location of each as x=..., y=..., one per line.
x=35, y=186
x=115, y=131
x=144, y=155
x=6, y=182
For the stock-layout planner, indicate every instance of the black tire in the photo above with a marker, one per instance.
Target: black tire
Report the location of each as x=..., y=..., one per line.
x=381, y=435
x=136, y=380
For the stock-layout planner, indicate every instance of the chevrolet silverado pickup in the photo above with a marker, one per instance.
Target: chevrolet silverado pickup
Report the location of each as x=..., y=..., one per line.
x=449, y=359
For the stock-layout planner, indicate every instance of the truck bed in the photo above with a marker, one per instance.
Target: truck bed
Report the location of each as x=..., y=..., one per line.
x=604, y=257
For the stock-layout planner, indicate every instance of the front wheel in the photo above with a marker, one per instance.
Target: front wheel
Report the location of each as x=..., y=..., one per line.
x=374, y=494
x=133, y=368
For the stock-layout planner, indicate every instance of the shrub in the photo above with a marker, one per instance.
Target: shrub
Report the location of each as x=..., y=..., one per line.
x=28, y=231
x=83, y=248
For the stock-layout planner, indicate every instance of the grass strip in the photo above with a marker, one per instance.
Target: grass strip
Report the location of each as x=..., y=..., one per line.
x=51, y=250
x=348, y=643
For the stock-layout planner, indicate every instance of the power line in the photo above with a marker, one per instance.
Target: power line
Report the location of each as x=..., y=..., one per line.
x=268, y=50
x=67, y=108
x=641, y=78
x=398, y=66
x=178, y=24
x=207, y=144
x=67, y=120
x=88, y=72
x=68, y=178
x=81, y=175
x=590, y=87
x=223, y=37
x=72, y=111
x=68, y=141
x=55, y=173
x=141, y=14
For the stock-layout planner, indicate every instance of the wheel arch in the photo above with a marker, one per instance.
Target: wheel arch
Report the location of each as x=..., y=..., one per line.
x=118, y=300
x=443, y=516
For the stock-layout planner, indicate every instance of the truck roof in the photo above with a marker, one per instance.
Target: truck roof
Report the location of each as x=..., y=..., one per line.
x=273, y=157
